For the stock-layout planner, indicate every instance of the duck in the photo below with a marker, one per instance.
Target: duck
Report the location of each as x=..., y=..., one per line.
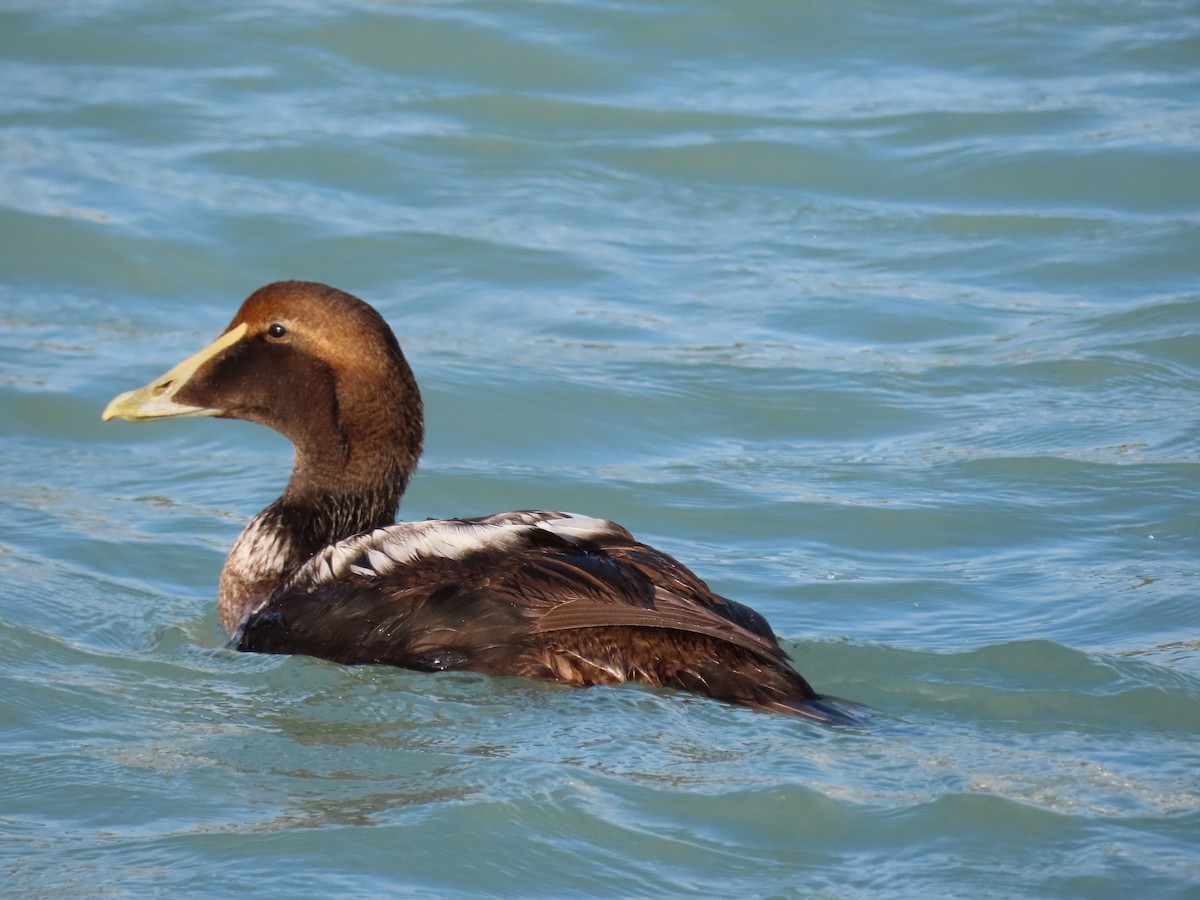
x=327, y=570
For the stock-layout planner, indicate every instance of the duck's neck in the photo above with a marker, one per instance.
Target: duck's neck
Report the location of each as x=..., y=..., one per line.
x=286, y=534
x=356, y=448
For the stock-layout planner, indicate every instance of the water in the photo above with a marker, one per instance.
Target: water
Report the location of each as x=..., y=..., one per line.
x=885, y=318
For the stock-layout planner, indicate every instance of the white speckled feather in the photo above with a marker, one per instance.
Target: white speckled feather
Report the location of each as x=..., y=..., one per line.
x=383, y=550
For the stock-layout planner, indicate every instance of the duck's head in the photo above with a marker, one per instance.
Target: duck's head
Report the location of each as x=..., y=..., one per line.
x=317, y=365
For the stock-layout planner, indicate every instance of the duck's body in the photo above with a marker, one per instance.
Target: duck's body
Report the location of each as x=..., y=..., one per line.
x=538, y=594
x=327, y=571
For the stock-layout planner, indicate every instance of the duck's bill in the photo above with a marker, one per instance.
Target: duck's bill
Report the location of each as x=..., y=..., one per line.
x=156, y=400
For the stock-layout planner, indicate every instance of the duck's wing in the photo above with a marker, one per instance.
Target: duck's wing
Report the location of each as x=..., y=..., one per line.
x=395, y=588
x=660, y=569
x=514, y=597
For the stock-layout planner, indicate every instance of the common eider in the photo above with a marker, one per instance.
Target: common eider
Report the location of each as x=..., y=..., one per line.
x=327, y=571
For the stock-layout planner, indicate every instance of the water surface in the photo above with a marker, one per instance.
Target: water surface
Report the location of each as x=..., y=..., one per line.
x=885, y=319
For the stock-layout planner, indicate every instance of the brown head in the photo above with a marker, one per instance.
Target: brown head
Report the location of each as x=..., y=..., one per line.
x=317, y=365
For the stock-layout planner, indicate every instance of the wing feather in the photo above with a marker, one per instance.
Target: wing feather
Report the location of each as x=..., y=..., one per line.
x=532, y=593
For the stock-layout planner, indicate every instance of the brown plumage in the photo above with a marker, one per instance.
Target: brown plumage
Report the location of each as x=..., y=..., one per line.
x=327, y=571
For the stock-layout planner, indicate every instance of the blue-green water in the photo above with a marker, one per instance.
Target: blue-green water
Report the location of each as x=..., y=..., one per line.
x=884, y=317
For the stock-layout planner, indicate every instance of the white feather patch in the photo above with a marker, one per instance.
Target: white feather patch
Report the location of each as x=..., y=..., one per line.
x=587, y=528
x=564, y=524
x=379, y=560
x=386, y=549
x=259, y=553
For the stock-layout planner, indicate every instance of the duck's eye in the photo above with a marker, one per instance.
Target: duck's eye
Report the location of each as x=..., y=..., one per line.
x=275, y=330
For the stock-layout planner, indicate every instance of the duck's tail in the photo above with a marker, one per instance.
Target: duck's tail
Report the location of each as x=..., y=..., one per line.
x=826, y=710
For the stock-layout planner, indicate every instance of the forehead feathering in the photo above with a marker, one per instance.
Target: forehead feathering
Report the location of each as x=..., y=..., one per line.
x=341, y=328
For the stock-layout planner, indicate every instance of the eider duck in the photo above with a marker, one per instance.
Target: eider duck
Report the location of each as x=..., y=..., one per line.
x=327, y=571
